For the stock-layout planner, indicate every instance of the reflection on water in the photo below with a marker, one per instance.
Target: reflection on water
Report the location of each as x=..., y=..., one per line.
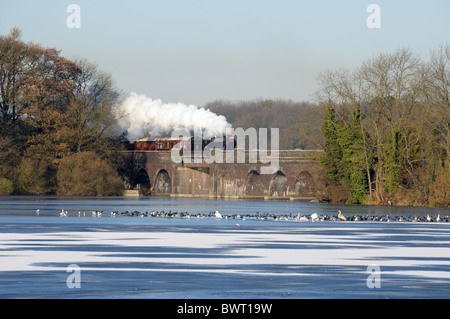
x=52, y=206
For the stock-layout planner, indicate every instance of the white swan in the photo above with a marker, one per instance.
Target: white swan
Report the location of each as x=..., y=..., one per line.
x=314, y=217
x=217, y=214
x=341, y=216
x=304, y=219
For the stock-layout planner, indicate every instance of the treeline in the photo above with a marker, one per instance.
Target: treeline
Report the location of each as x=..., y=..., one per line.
x=57, y=117
x=299, y=122
x=386, y=130
x=384, y=127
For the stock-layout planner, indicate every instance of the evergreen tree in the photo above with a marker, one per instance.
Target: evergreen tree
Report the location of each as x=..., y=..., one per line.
x=353, y=159
x=333, y=153
x=344, y=160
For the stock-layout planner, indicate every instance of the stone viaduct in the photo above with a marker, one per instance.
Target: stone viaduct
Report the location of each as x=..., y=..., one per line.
x=297, y=176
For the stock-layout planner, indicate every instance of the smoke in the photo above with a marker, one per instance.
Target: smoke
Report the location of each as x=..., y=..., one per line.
x=144, y=116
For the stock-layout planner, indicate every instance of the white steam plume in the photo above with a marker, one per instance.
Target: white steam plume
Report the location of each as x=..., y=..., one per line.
x=143, y=115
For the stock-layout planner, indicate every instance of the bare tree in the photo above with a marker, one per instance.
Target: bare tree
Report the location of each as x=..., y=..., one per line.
x=92, y=112
x=437, y=81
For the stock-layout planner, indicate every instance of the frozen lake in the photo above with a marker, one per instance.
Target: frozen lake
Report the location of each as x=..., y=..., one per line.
x=153, y=257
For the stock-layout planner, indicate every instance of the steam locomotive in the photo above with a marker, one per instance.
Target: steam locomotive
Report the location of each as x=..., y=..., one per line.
x=192, y=143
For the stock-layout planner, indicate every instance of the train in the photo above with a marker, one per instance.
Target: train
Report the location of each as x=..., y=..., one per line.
x=192, y=143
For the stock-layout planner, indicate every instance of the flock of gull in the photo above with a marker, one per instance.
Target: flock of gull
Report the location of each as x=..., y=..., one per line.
x=266, y=216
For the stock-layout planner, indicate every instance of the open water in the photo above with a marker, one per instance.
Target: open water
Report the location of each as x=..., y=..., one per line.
x=211, y=258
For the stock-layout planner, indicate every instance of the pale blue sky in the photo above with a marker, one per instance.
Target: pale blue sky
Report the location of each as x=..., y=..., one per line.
x=198, y=51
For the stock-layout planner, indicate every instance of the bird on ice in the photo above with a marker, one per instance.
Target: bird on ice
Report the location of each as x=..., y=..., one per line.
x=217, y=214
x=314, y=217
x=341, y=216
x=302, y=218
